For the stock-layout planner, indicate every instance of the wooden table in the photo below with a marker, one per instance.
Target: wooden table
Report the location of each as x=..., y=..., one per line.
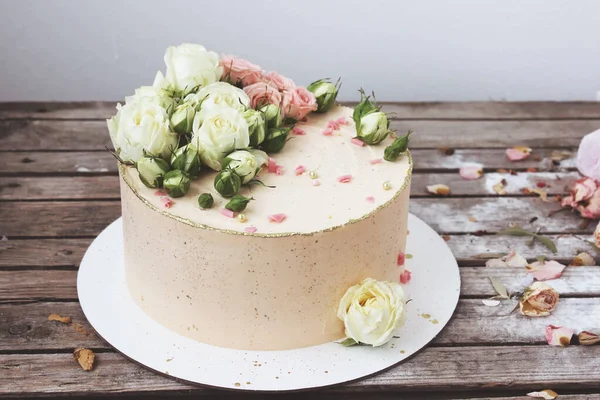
x=59, y=189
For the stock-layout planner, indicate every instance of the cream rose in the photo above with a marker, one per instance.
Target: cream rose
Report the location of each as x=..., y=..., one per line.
x=151, y=94
x=219, y=94
x=190, y=66
x=141, y=126
x=371, y=311
x=246, y=163
x=221, y=131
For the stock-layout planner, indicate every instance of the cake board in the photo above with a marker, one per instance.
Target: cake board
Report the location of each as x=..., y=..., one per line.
x=433, y=292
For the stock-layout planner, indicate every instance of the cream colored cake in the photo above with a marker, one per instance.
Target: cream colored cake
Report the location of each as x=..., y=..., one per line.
x=205, y=276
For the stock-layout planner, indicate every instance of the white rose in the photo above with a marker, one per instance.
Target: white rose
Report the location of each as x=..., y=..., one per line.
x=373, y=128
x=190, y=66
x=223, y=130
x=141, y=126
x=371, y=311
x=219, y=94
x=246, y=163
x=151, y=94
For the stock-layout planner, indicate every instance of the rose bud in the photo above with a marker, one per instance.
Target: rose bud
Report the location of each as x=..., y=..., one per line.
x=363, y=108
x=373, y=128
x=256, y=126
x=152, y=171
x=186, y=159
x=238, y=203
x=227, y=183
x=399, y=146
x=538, y=300
x=275, y=140
x=205, y=200
x=588, y=338
x=176, y=183
x=325, y=92
x=183, y=118
x=246, y=163
x=273, y=115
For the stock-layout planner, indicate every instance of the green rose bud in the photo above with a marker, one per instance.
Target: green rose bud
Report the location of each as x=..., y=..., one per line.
x=176, y=183
x=246, y=163
x=256, y=126
x=152, y=171
x=325, y=92
x=363, y=108
x=238, y=203
x=275, y=139
x=183, y=118
x=273, y=116
x=227, y=183
x=399, y=146
x=373, y=128
x=205, y=200
x=186, y=159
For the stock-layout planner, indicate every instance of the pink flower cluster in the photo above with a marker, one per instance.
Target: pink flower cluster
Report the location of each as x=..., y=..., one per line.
x=268, y=88
x=585, y=198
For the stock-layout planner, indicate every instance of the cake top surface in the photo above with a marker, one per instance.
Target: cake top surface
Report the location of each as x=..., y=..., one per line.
x=351, y=182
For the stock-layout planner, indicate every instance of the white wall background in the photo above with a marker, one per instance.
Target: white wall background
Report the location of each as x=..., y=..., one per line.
x=404, y=50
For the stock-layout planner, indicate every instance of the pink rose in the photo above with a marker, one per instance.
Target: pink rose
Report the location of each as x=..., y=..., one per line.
x=588, y=155
x=585, y=198
x=240, y=70
x=261, y=93
x=285, y=85
x=299, y=104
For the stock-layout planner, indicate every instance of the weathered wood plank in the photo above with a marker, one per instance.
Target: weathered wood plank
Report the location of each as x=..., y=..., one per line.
x=93, y=135
x=107, y=187
x=417, y=110
x=48, y=253
x=98, y=162
x=25, y=327
x=435, y=368
x=59, y=284
x=83, y=218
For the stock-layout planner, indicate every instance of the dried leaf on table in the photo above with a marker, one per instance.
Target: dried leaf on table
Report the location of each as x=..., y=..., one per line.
x=79, y=328
x=487, y=256
x=546, y=394
x=85, y=358
x=439, y=189
x=448, y=151
x=499, y=187
x=540, y=192
x=522, y=232
x=59, y=318
x=499, y=288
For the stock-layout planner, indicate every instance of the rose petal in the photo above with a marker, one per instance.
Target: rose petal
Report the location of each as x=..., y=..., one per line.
x=541, y=192
x=342, y=121
x=583, y=259
x=327, y=132
x=496, y=263
x=298, y=131
x=371, y=199
x=227, y=213
x=250, y=229
x=499, y=187
x=517, y=153
x=544, y=394
x=514, y=259
x=490, y=303
x=376, y=161
x=277, y=218
x=405, y=277
x=160, y=193
x=546, y=271
x=271, y=165
x=279, y=170
x=401, y=258
x=300, y=169
x=471, y=172
x=597, y=235
x=588, y=155
x=357, y=142
x=166, y=202
x=559, y=335
x=316, y=182
x=344, y=178
x=333, y=125
x=439, y=189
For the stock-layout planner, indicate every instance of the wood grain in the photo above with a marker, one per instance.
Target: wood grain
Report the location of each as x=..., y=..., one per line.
x=61, y=284
x=27, y=135
x=435, y=368
x=416, y=110
x=46, y=253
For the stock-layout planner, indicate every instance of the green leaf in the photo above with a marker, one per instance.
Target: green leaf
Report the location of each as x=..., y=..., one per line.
x=488, y=256
x=541, y=259
x=548, y=243
x=499, y=288
x=348, y=342
x=594, y=246
x=515, y=232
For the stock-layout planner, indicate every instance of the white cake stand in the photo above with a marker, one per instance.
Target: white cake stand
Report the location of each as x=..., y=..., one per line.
x=434, y=290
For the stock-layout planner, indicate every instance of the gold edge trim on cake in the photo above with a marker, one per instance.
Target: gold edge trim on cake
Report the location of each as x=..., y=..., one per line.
x=186, y=221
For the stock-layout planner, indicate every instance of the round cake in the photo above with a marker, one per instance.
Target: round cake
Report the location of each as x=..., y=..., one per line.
x=278, y=284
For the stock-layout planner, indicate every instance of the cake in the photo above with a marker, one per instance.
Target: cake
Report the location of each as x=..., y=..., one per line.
x=261, y=260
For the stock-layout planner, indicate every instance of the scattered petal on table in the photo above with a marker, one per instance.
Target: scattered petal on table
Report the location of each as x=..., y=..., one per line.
x=559, y=335
x=547, y=270
x=546, y=394
x=490, y=302
x=439, y=189
x=518, y=153
x=470, y=172
x=85, y=358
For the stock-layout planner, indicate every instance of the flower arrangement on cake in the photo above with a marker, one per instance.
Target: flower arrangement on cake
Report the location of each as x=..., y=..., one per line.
x=227, y=117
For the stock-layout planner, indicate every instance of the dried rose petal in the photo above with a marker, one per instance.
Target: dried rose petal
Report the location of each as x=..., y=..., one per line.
x=538, y=300
x=583, y=259
x=371, y=199
x=495, y=263
x=588, y=338
x=167, y=202
x=490, y=302
x=357, y=142
x=405, y=277
x=588, y=155
x=277, y=218
x=546, y=271
x=514, y=259
x=300, y=169
x=376, y=161
x=279, y=170
x=546, y=394
x=85, y=358
x=344, y=178
x=160, y=193
x=228, y=213
x=499, y=187
x=333, y=125
x=316, y=182
x=540, y=192
x=56, y=317
x=271, y=165
x=298, y=131
x=250, y=229
x=518, y=153
x=471, y=172
x=342, y=121
x=401, y=258
x=327, y=132
x=439, y=189
x=559, y=335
